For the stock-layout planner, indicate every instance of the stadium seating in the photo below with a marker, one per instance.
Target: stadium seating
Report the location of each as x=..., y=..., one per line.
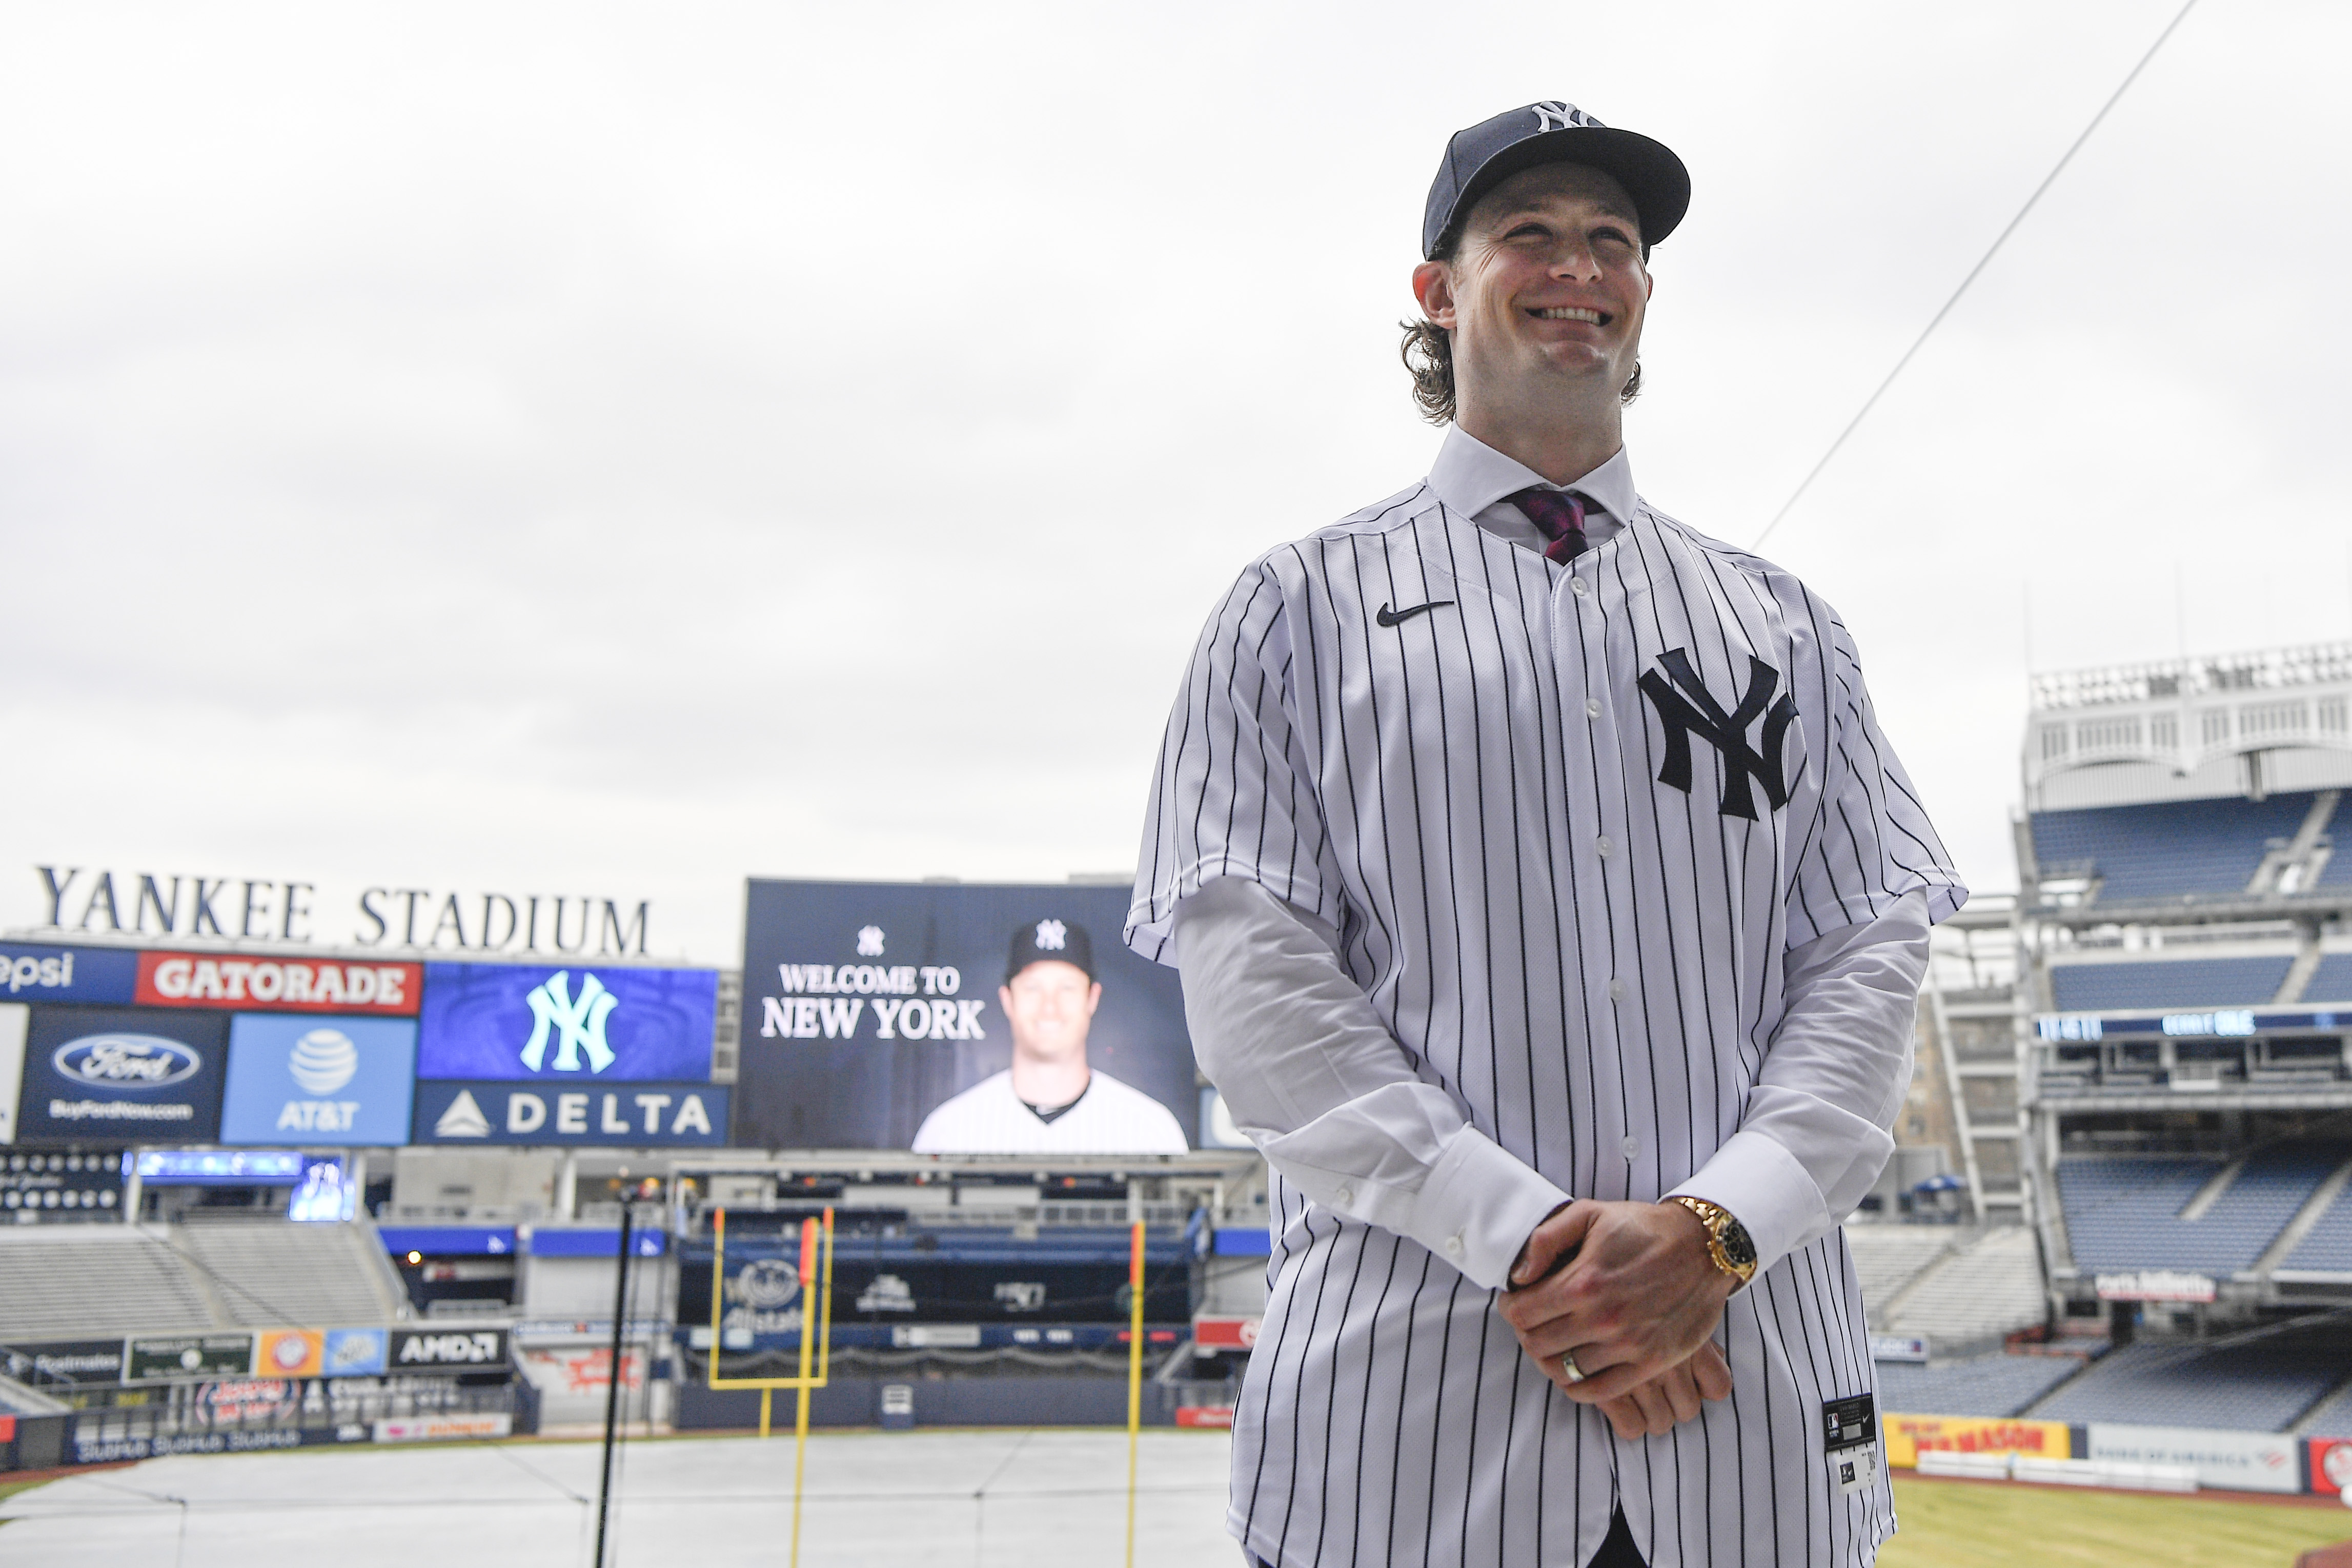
x=2262, y=1386
x=1995, y=1386
x=2332, y=981
x=2124, y=1212
x=1992, y=1288
x=267, y=1273
x=2331, y=1417
x=2328, y=1247
x=1887, y=1258
x=73, y=1281
x=2168, y=849
x=2172, y=983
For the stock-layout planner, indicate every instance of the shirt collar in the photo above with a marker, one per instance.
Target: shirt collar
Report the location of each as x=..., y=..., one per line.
x=1470, y=476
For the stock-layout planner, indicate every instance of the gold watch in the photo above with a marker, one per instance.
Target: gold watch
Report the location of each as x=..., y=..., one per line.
x=1727, y=1241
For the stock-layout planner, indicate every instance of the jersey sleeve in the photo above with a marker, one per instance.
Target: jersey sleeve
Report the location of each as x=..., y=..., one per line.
x=1233, y=794
x=1871, y=842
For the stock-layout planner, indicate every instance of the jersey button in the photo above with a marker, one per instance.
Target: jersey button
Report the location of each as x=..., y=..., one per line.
x=1576, y=586
x=1347, y=1195
x=1616, y=991
x=1592, y=707
x=1602, y=846
x=1454, y=1247
x=1632, y=1148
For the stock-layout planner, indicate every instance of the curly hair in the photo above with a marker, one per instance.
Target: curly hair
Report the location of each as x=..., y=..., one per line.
x=1428, y=354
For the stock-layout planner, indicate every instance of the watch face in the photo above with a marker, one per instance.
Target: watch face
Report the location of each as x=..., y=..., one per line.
x=1737, y=1246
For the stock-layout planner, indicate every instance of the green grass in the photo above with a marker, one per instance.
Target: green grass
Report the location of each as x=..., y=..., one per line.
x=1994, y=1524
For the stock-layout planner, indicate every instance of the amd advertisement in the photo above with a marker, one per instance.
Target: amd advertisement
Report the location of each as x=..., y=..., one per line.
x=957, y=1018
x=511, y=1053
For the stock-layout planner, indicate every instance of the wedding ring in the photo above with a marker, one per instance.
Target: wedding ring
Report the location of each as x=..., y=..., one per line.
x=1567, y=1368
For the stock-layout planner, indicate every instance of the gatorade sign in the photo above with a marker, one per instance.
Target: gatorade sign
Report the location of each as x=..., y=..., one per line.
x=275, y=984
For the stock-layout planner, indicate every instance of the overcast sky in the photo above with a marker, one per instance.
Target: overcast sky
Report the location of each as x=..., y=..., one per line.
x=613, y=451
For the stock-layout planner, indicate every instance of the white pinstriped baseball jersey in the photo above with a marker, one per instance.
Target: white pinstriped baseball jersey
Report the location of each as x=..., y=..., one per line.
x=1110, y=1118
x=1584, y=955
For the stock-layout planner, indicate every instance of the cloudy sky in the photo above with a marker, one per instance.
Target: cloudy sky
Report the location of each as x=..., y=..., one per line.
x=612, y=450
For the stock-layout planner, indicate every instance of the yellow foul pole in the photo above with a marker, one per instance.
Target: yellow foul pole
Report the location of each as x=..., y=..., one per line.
x=808, y=1337
x=1134, y=1375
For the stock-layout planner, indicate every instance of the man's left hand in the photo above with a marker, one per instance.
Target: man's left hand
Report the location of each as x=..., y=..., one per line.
x=1641, y=1295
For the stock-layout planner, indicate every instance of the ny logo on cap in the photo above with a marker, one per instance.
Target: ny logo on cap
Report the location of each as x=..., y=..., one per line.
x=1052, y=935
x=1556, y=116
x=1693, y=710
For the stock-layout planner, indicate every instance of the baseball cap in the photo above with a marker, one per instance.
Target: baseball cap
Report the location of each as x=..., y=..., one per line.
x=1059, y=941
x=1483, y=157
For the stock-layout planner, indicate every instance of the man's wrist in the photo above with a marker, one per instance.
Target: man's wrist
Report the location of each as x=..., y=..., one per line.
x=1727, y=1242
x=1520, y=1260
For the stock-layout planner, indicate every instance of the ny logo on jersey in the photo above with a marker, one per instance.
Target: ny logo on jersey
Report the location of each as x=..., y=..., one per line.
x=1693, y=710
x=1560, y=116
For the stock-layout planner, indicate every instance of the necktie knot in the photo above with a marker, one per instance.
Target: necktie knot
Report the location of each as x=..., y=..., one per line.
x=1560, y=514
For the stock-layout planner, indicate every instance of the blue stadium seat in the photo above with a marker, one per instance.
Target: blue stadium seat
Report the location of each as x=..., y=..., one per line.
x=1996, y=1385
x=2179, y=983
x=2332, y=1418
x=2258, y=1387
x=2329, y=1245
x=2124, y=1212
x=2332, y=981
x=2171, y=849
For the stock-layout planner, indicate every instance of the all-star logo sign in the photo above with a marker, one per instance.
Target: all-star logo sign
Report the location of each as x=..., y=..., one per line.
x=1686, y=708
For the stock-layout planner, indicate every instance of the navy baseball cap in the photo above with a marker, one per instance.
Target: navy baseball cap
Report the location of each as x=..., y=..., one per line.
x=1483, y=157
x=1051, y=941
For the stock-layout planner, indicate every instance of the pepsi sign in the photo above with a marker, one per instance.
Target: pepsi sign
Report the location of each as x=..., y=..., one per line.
x=585, y=1023
x=41, y=973
x=119, y=1074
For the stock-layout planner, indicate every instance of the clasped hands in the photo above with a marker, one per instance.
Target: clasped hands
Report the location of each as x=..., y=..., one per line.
x=1637, y=1304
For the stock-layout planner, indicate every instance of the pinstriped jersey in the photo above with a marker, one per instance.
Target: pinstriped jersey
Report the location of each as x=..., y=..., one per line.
x=1566, y=819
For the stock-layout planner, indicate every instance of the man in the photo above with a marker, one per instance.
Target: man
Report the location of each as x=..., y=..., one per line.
x=1551, y=912
x=1050, y=1101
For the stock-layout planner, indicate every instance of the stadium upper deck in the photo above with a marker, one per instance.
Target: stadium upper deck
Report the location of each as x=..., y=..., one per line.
x=2188, y=977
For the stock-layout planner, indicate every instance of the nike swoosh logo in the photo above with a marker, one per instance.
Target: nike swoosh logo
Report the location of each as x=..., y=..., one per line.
x=1388, y=617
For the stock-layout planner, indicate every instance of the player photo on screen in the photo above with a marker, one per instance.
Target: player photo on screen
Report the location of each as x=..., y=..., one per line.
x=1050, y=1100
x=958, y=1019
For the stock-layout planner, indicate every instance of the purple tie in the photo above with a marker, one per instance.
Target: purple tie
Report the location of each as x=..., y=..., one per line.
x=1560, y=514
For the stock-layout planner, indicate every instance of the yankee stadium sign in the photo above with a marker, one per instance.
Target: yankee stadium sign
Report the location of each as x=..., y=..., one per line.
x=269, y=909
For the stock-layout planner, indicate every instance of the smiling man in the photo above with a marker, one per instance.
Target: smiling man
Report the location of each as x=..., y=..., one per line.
x=1551, y=911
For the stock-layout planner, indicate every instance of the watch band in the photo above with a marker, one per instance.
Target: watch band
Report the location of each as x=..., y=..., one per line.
x=1730, y=1246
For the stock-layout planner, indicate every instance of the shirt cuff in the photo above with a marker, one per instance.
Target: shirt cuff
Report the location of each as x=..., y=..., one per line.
x=1763, y=1187
x=1478, y=1205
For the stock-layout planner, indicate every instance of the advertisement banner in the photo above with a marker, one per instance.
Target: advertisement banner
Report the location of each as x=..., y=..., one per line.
x=2154, y=1285
x=348, y=1082
x=2331, y=1465
x=237, y=983
x=1907, y=1434
x=2234, y=1461
x=84, y=975
x=94, y=1075
x=875, y=1017
x=584, y=1023
x=219, y=1167
x=429, y=1349
x=15, y=1020
x=628, y=1116
x=46, y=1362
x=62, y=1187
x=174, y=1358
x=291, y=1352
x=443, y=1428
x=353, y=1352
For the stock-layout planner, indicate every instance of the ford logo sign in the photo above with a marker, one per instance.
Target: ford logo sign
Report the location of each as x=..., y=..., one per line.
x=127, y=1061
